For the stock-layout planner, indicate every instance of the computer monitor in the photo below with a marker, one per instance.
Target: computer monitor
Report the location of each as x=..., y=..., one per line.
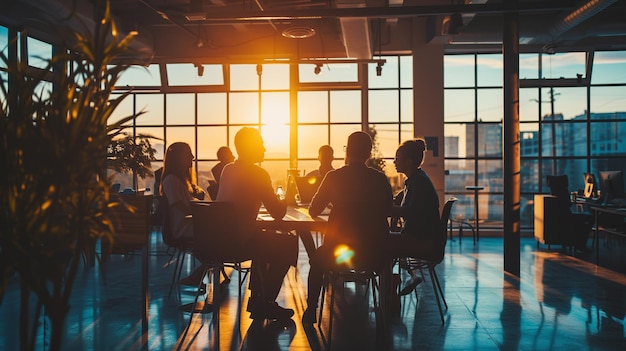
x=611, y=185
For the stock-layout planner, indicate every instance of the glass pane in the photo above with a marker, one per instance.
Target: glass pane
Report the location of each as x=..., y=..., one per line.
x=490, y=176
x=389, y=73
x=406, y=71
x=209, y=140
x=183, y=134
x=563, y=65
x=528, y=104
x=383, y=106
x=529, y=176
x=607, y=138
x=39, y=53
x=310, y=138
x=528, y=66
x=608, y=99
x=312, y=106
x=243, y=77
x=339, y=137
x=406, y=106
x=180, y=108
x=527, y=211
x=203, y=171
x=212, y=108
x=459, y=173
x=157, y=144
x=276, y=138
x=606, y=65
x=4, y=42
x=124, y=109
x=152, y=104
x=345, y=106
x=458, y=71
x=275, y=108
x=458, y=105
x=190, y=74
x=490, y=140
x=570, y=102
x=490, y=103
x=328, y=72
x=489, y=70
x=136, y=76
x=406, y=133
x=244, y=108
x=455, y=140
x=529, y=140
x=491, y=210
x=387, y=139
x=275, y=76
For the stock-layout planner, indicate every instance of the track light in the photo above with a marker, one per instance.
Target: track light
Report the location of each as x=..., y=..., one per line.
x=259, y=69
x=379, y=68
x=200, y=69
x=318, y=68
x=455, y=23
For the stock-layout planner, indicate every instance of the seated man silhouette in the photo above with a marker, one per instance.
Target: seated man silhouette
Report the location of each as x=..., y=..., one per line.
x=248, y=186
x=361, y=201
x=224, y=156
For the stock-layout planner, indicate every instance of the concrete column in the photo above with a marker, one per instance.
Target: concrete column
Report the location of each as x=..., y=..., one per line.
x=428, y=101
x=511, y=144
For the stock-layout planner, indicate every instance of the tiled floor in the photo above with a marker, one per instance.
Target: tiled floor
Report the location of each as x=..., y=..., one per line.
x=559, y=302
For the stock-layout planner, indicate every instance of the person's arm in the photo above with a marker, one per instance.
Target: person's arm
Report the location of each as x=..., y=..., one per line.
x=275, y=207
x=322, y=197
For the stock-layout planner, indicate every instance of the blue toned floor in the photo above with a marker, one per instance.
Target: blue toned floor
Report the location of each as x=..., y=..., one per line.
x=559, y=302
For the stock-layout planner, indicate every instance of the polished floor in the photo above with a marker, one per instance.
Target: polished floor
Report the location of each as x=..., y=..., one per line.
x=561, y=301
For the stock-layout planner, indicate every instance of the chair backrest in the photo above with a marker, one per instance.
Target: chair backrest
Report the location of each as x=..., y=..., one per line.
x=215, y=229
x=167, y=234
x=558, y=185
x=445, y=217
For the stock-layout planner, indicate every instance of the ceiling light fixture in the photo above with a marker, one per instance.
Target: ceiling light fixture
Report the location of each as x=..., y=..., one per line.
x=298, y=32
x=379, y=68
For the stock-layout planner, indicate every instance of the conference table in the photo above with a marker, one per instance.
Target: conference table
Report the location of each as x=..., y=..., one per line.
x=296, y=219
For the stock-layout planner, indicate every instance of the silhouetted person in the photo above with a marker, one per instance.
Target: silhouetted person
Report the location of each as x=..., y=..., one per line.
x=224, y=156
x=178, y=185
x=248, y=186
x=420, y=236
x=326, y=156
x=361, y=201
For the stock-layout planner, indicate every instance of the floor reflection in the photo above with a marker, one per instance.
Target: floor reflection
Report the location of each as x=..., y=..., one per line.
x=559, y=302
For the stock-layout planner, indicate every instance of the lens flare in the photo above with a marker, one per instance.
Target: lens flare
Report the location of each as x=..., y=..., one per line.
x=343, y=254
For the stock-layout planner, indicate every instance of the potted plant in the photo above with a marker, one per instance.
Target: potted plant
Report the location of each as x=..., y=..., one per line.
x=53, y=152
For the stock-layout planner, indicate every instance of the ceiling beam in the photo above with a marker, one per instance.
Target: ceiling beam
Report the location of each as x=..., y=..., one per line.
x=389, y=12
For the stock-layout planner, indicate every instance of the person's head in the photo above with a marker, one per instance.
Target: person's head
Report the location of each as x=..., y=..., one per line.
x=249, y=145
x=178, y=161
x=325, y=154
x=410, y=155
x=224, y=154
x=359, y=147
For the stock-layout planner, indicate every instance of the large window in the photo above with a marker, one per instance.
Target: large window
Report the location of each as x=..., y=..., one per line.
x=323, y=107
x=570, y=124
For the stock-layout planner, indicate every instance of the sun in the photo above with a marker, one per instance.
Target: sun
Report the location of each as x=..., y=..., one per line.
x=276, y=137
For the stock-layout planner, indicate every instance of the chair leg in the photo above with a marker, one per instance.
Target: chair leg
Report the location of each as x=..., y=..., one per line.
x=193, y=307
x=435, y=290
x=443, y=298
x=176, y=272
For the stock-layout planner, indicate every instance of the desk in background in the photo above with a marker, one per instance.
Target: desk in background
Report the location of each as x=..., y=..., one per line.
x=618, y=230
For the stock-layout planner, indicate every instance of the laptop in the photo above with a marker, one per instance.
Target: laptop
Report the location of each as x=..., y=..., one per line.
x=307, y=187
